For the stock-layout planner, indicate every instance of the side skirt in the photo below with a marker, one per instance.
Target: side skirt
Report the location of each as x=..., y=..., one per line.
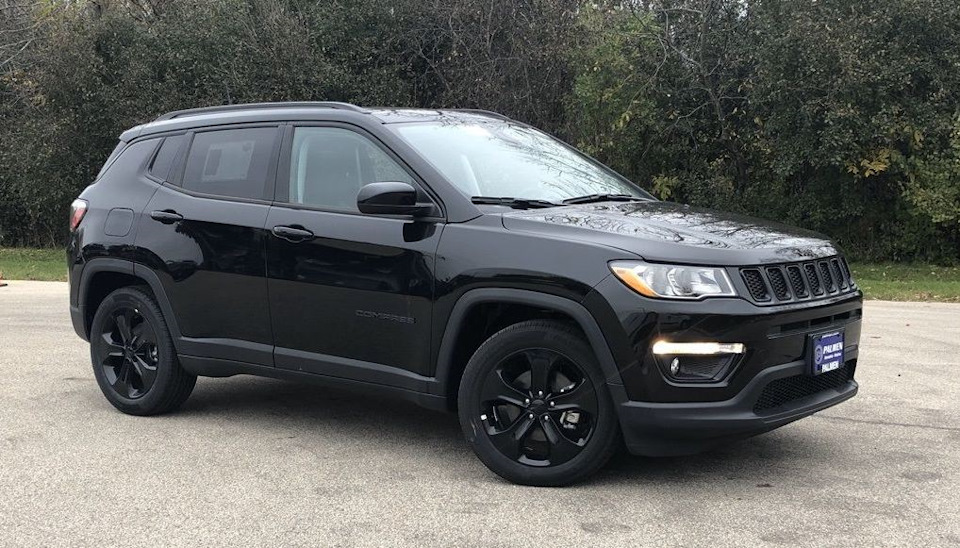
x=214, y=367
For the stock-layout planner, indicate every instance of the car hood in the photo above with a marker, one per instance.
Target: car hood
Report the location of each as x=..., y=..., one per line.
x=670, y=232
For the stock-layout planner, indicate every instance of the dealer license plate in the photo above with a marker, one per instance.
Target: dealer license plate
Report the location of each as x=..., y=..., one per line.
x=826, y=352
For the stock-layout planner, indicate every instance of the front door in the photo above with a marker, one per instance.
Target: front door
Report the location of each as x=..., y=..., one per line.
x=350, y=294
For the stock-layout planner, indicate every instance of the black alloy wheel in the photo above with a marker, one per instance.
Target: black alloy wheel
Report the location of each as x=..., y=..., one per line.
x=539, y=407
x=128, y=346
x=133, y=356
x=535, y=407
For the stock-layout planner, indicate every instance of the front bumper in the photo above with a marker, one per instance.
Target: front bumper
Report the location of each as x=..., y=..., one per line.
x=660, y=416
x=667, y=429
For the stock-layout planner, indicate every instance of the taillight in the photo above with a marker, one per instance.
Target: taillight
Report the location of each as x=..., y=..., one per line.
x=77, y=210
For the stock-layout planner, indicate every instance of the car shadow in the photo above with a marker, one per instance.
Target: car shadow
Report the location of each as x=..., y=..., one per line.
x=389, y=424
x=307, y=407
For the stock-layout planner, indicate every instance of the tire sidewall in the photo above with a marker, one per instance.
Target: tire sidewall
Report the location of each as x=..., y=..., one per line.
x=127, y=297
x=574, y=348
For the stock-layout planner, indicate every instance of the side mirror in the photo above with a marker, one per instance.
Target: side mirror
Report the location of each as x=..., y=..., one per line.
x=391, y=199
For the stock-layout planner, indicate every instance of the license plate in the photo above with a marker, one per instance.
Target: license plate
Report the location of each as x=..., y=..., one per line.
x=826, y=352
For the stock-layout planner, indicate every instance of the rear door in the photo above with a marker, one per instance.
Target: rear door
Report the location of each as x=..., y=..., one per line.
x=203, y=233
x=350, y=294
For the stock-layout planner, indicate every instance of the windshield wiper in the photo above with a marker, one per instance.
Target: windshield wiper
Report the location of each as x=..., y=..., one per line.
x=519, y=203
x=591, y=198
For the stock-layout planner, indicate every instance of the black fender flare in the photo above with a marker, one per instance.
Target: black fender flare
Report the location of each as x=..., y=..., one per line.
x=122, y=266
x=573, y=309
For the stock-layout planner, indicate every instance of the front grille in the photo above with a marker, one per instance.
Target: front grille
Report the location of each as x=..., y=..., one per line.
x=846, y=271
x=788, y=389
x=827, y=277
x=838, y=274
x=796, y=281
x=813, y=279
x=778, y=283
x=755, y=284
x=792, y=282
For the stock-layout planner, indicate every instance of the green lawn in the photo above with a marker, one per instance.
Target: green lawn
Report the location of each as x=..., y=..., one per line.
x=892, y=282
x=33, y=264
x=905, y=282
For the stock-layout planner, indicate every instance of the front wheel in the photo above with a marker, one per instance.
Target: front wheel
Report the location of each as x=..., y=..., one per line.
x=534, y=405
x=133, y=356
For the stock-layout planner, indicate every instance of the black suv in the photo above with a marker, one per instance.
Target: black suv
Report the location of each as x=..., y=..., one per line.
x=460, y=260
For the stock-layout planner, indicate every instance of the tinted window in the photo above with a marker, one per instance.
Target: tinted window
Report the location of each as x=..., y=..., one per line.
x=232, y=162
x=163, y=161
x=110, y=159
x=329, y=165
x=129, y=162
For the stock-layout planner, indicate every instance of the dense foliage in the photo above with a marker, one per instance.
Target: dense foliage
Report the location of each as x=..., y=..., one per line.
x=839, y=115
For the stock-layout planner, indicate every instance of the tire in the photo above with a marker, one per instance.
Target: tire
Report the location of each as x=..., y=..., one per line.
x=133, y=357
x=531, y=438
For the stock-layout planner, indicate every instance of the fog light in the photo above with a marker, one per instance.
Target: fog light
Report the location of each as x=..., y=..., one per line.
x=697, y=361
x=700, y=368
x=675, y=366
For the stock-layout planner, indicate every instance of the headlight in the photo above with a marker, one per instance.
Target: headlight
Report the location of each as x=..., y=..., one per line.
x=674, y=281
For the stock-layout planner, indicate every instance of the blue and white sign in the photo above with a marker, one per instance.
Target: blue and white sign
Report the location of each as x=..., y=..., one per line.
x=827, y=349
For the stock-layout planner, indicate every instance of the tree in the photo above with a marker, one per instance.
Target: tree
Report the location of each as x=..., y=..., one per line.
x=837, y=115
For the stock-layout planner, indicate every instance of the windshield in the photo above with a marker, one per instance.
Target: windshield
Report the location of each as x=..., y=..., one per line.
x=501, y=159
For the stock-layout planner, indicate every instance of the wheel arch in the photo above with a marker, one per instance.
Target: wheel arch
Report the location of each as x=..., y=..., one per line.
x=450, y=365
x=103, y=275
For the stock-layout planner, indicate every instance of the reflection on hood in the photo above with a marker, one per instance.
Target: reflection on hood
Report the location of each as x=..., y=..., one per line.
x=678, y=225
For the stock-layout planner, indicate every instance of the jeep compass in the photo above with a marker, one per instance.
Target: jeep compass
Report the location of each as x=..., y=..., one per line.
x=460, y=260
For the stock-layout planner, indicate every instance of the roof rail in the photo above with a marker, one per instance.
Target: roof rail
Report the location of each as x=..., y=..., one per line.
x=253, y=106
x=489, y=113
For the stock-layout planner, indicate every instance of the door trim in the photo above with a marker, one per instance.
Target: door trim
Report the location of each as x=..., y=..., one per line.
x=212, y=367
x=227, y=349
x=349, y=368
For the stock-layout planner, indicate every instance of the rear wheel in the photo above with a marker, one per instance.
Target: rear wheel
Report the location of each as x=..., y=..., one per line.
x=133, y=357
x=534, y=406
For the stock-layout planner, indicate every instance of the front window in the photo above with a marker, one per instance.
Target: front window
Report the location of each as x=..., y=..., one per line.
x=329, y=165
x=502, y=159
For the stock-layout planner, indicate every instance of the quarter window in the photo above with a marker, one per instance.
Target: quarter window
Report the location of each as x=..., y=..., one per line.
x=110, y=159
x=130, y=161
x=328, y=166
x=232, y=162
x=163, y=161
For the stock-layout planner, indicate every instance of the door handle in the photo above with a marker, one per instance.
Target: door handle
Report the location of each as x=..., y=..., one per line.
x=292, y=233
x=166, y=216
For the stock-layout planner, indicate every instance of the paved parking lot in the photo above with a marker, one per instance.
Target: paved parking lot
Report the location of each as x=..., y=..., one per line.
x=262, y=462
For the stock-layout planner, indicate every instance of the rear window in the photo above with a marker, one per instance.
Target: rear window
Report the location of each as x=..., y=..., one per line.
x=233, y=162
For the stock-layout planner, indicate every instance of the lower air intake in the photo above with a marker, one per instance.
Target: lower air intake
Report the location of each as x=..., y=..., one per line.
x=788, y=389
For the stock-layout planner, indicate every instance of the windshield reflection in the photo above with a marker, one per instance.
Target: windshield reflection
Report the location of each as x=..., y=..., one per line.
x=484, y=157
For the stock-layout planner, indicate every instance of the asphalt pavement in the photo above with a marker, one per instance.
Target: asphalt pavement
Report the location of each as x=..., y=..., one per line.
x=261, y=462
